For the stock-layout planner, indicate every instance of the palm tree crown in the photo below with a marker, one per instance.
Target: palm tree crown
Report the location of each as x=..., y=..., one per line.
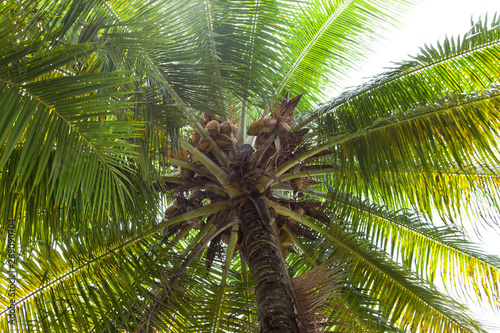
x=177, y=166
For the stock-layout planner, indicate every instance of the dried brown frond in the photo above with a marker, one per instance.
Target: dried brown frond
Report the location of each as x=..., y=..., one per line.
x=318, y=215
x=207, y=117
x=315, y=290
x=309, y=181
x=282, y=221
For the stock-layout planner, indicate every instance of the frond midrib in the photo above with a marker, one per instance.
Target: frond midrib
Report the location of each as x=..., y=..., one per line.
x=311, y=43
x=74, y=129
x=415, y=231
x=371, y=87
x=346, y=136
x=93, y=260
x=327, y=234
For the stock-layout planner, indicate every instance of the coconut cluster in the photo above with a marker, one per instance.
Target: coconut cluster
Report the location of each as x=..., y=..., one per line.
x=270, y=133
x=223, y=133
x=274, y=143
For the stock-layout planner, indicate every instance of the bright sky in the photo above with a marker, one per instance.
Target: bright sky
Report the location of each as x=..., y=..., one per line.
x=432, y=20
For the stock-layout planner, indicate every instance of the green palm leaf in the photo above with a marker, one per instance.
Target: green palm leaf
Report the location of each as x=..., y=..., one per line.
x=421, y=245
x=403, y=295
x=139, y=192
x=327, y=38
x=448, y=67
x=406, y=149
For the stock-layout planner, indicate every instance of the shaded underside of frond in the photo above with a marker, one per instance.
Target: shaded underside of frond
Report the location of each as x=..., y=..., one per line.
x=403, y=295
x=116, y=285
x=76, y=142
x=74, y=104
x=419, y=245
x=432, y=147
x=94, y=294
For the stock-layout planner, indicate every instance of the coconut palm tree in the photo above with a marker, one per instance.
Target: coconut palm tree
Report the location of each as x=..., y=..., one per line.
x=177, y=166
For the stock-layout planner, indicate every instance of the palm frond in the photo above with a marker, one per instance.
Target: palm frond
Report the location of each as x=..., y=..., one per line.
x=455, y=135
x=352, y=310
x=421, y=246
x=119, y=222
x=460, y=64
x=327, y=38
x=315, y=289
x=403, y=294
x=80, y=264
x=72, y=135
x=91, y=288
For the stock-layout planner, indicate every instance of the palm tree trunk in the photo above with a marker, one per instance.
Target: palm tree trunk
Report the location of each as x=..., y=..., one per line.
x=272, y=283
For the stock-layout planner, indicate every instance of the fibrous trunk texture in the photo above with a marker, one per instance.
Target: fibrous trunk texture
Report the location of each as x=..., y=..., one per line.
x=272, y=287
